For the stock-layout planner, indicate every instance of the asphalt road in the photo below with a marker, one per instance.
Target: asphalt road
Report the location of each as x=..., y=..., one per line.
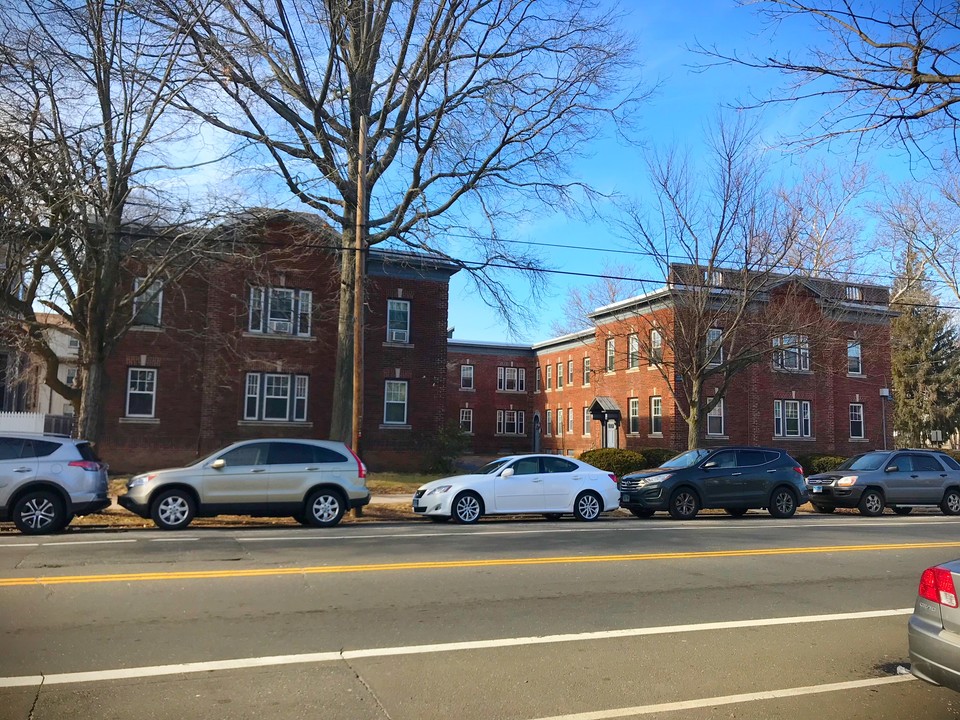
x=715, y=618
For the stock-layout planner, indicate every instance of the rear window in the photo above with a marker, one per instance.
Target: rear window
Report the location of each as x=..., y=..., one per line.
x=86, y=452
x=558, y=465
x=949, y=462
x=326, y=455
x=38, y=448
x=925, y=462
x=755, y=457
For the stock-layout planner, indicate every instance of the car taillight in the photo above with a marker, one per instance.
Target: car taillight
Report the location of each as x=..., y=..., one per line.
x=90, y=465
x=798, y=469
x=612, y=477
x=361, y=468
x=936, y=584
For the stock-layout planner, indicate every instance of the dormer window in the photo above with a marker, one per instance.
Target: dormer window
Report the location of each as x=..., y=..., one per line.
x=854, y=293
x=713, y=278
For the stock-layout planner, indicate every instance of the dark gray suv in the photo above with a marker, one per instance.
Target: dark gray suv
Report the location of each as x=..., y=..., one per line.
x=898, y=479
x=736, y=479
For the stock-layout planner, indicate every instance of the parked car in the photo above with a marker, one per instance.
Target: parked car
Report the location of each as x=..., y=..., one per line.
x=899, y=479
x=736, y=479
x=521, y=484
x=314, y=481
x=46, y=480
x=933, y=632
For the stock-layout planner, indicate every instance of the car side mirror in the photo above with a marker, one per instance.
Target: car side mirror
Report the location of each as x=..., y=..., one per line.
x=710, y=465
x=892, y=468
x=507, y=473
x=218, y=464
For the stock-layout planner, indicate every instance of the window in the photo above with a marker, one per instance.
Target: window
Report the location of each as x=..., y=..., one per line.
x=395, y=402
x=656, y=415
x=570, y=421
x=586, y=372
x=791, y=352
x=791, y=418
x=73, y=342
x=549, y=376
x=549, y=422
x=247, y=455
x=559, y=422
x=398, y=321
x=141, y=392
x=511, y=379
x=526, y=466
x=713, y=277
x=656, y=347
x=275, y=397
x=587, y=418
x=510, y=422
x=147, y=304
x=294, y=453
x=633, y=351
x=466, y=377
x=853, y=292
x=714, y=346
x=856, y=420
x=280, y=311
x=559, y=375
x=633, y=412
x=466, y=420
x=558, y=465
x=854, y=358
x=538, y=379
x=71, y=378
x=715, y=420
x=611, y=354
x=569, y=372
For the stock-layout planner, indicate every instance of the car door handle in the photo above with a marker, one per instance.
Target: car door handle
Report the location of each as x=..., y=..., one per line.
x=943, y=474
x=23, y=469
x=914, y=476
x=771, y=471
x=259, y=470
x=735, y=474
x=538, y=480
x=312, y=469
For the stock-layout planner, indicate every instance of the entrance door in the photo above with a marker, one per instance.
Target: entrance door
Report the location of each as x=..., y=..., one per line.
x=611, y=435
x=536, y=433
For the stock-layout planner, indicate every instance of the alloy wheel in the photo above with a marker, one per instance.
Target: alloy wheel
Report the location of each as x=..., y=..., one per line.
x=38, y=513
x=173, y=510
x=588, y=507
x=467, y=508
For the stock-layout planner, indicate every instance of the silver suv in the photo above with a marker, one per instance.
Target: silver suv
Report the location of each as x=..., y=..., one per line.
x=898, y=479
x=314, y=481
x=46, y=480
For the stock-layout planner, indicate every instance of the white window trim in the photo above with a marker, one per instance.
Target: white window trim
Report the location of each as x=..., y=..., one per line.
x=633, y=416
x=586, y=372
x=559, y=376
x=548, y=424
x=611, y=357
x=255, y=388
x=519, y=379
x=549, y=376
x=656, y=403
x=714, y=413
x=396, y=334
x=587, y=421
x=656, y=348
x=863, y=421
x=464, y=374
x=518, y=422
x=859, y=356
x=716, y=358
x=301, y=312
x=466, y=416
x=795, y=345
x=569, y=421
x=570, y=372
x=255, y=395
x=406, y=401
x=146, y=299
x=285, y=380
x=633, y=351
x=152, y=393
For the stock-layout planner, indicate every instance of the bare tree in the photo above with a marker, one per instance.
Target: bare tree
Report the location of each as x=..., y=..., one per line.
x=616, y=284
x=468, y=112
x=84, y=115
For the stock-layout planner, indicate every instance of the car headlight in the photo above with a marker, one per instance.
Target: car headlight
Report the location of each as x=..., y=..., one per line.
x=654, y=479
x=847, y=481
x=439, y=490
x=139, y=480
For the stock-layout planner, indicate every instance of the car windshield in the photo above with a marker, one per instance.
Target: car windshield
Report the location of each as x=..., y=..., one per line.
x=687, y=459
x=867, y=461
x=492, y=467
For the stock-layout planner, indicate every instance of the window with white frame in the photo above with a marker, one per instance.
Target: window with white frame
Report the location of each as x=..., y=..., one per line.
x=587, y=419
x=147, y=303
x=466, y=420
x=280, y=311
x=539, y=378
x=791, y=418
x=549, y=422
x=586, y=372
x=633, y=413
x=559, y=422
x=715, y=419
x=791, y=352
x=398, y=321
x=559, y=375
x=395, y=402
x=510, y=422
x=549, y=376
x=715, y=346
x=611, y=354
x=633, y=351
x=569, y=372
x=511, y=379
x=73, y=342
x=854, y=357
x=856, y=421
x=275, y=397
x=656, y=415
x=854, y=293
x=466, y=377
x=713, y=277
x=570, y=421
x=71, y=379
x=656, y=347
x=141, y=392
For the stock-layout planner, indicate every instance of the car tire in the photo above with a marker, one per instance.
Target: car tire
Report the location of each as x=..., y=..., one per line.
x=552, y=516
x=588, y=506
x=783, y=503
x=951, y=503
x=871, y=503
x=301, y=518
x=39, y=512
x=173, y=509
x=324, y=508
x=684, y=504
x=901, y=510
x=642, y=513
x=467, y=508
x=735, y=512
x=824, y=509
x=439, y=518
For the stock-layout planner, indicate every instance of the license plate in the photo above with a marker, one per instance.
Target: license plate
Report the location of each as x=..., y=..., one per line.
x=817, y=489
x=625, y=498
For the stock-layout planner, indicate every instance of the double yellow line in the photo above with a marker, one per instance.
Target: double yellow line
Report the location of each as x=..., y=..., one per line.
x=456, y=564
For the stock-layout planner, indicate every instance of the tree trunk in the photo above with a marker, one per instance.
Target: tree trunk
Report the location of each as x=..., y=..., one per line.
x=90, y=413
x=693, y=417
x=341, y=420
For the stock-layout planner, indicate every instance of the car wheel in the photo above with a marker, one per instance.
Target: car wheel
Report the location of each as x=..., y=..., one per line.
x=684, y=504
x=735, y=512
x=642, y=512
x=871, y=503
x=902, y=510
x=39, y=512
x=324, y=508
x=173, y=510
x=951, y=503
x=783, y=503
x=587, y=506
x=825, y=509
x=552, y=516
x=467, y=507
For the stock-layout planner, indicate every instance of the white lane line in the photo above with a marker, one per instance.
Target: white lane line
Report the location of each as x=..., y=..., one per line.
x=20, y=545
x=88, y=542
x=732, y=699
x=255, y=662
x=172, y=539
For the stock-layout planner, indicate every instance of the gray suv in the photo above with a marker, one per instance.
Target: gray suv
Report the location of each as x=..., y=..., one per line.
x=898, y=479
x=314, y=481
x=46, y=480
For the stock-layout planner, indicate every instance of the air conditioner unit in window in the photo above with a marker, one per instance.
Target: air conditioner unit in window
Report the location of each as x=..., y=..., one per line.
x=280, y=326
x=398, y=336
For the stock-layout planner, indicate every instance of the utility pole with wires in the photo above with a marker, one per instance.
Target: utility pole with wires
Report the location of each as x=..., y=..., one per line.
x=359, y=257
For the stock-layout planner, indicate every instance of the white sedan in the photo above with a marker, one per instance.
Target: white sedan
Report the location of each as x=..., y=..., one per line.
x=544, y=484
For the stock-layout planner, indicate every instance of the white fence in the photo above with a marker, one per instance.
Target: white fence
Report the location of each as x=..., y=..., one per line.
x=23, y=422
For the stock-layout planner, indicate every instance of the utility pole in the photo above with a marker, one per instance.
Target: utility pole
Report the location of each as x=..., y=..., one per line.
x=358, y=283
